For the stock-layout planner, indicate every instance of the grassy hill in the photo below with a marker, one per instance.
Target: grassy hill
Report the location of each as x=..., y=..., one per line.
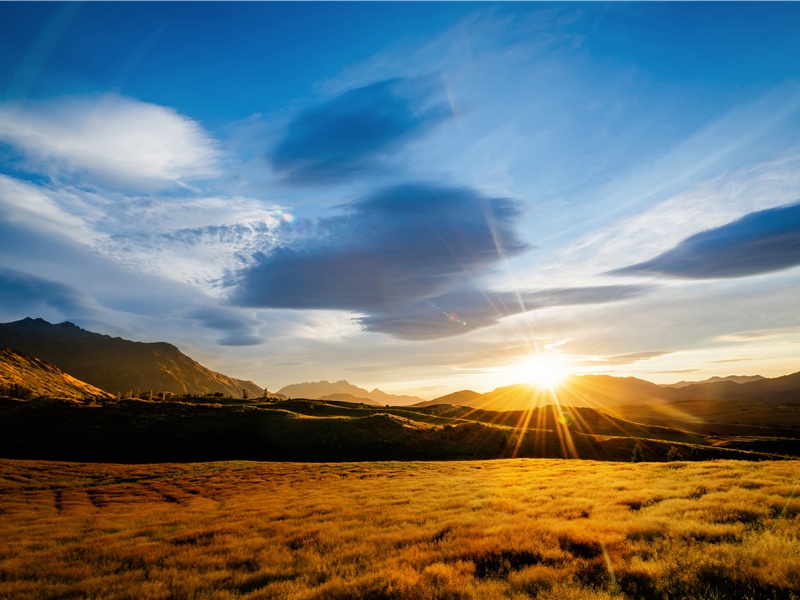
x=24, y=376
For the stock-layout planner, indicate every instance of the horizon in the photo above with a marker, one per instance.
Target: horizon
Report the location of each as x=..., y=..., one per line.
x=549, y=386
x=420, y=198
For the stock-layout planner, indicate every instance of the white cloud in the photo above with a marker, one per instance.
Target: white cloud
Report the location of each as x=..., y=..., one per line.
x=109, y=141
x=24, y=203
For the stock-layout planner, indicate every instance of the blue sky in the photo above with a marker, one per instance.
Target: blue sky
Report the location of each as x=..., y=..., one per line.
x=414, y=196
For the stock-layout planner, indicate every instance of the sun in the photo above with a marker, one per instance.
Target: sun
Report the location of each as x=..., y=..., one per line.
x=546, y=371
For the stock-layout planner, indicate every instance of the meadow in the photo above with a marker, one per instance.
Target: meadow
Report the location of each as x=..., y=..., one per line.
x=522, y=528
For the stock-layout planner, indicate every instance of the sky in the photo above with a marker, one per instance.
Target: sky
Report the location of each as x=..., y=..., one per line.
x=420, y=197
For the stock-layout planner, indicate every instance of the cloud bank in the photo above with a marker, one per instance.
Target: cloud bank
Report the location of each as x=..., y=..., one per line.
x=760, y=242
x=109, y=141
x=352, y=134
x=409, y=258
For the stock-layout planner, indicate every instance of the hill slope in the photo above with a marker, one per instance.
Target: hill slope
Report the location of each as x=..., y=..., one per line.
x=115, y=364
x=36, y=377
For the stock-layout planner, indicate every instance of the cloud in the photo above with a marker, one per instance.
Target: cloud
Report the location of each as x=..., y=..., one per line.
x=398, y=246
x=760, y=242
x=471, y=308
x=410, y=259
x=198, y=240
x=109, y=141
x=236, y=326
x=626, y=359
x=354, y=133
x=24, y=293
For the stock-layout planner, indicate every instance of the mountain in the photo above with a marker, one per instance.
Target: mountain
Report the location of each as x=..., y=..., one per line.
x=462, y=398
x=597, y=391
x=778, y=390
x=22, y=376
x=733, y=378
x=314, y=390
x=607, y=392
x=117, y=365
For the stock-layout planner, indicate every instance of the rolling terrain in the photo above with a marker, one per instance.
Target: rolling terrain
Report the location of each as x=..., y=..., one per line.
x=316, y=430
x=117, y=365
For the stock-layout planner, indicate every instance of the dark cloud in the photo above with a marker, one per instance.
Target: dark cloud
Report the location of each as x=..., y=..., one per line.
x=238, y=328
x=471, y=308
x=399, y=246
x=24, y=293
x=409, y=258
x=760, y=242
x=240, y=340
x=355, y=132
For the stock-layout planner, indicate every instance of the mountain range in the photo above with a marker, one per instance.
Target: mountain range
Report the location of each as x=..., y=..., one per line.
x=116, y=365
x=55, y=379
x=343, y=390
x=605, y=391
x=733, y=378
x=93, y=363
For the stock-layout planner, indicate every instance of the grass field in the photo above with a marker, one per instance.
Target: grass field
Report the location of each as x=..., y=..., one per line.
x=522, y=528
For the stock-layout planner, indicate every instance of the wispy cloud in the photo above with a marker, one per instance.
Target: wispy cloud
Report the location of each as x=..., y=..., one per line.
x=472, y=308
x=352, y=134
x=760, y=242
x=109, y=141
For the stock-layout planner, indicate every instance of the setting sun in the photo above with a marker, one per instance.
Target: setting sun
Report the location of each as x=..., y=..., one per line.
x=547, y=371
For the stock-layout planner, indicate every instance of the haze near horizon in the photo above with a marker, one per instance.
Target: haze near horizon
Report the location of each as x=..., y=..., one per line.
x=416, y=197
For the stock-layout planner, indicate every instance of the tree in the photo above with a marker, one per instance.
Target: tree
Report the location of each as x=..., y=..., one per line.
x=245, y=395
x=637, y=456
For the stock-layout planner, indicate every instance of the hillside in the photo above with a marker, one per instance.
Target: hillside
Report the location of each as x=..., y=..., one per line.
x=316, y=390
x=312, y=430
x=115, y=364
x=29, y=376
x=463, y=398
x=349, y=398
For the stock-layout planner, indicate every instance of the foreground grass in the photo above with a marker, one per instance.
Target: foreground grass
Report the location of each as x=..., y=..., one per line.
x=487, y=529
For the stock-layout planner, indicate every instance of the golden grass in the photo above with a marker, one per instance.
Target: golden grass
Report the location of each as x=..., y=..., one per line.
x=521, y=528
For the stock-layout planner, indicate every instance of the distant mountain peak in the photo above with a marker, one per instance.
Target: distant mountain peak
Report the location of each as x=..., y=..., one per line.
x=315, y=390
x=716, y=379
